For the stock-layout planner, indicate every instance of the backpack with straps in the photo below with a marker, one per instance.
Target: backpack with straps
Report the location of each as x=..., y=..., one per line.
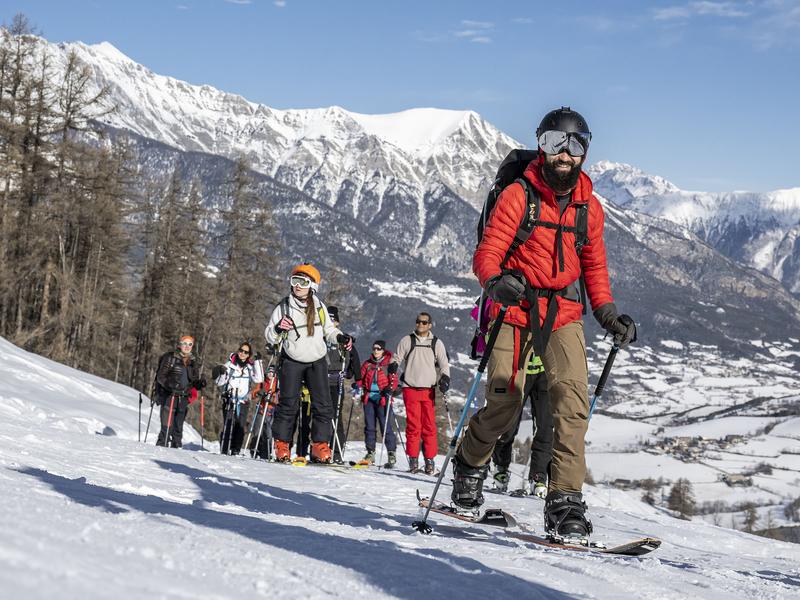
x=414, y=345
x=512, y=170
x=284, y=308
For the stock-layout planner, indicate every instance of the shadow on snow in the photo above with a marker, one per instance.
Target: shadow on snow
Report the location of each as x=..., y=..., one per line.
x=400, y=571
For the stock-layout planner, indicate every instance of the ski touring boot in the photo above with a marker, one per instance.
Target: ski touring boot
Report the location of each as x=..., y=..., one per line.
x=369, y=458
x=320, y=452
x=538, y=485
x=430, y=466
x=468, y=486
x=282, y=452
x=413, y=464
x=501, y=478
x=391, y=461
x=565, y=517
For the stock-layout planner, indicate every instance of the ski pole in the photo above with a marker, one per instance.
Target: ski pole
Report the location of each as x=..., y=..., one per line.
x=146, y=431
x=602, y=383
x=202, y=421
x=252, y=425
x=140, y=416
x=226, y=425
x=422, y=526
x=169, y=419
x=399, y=434
x=385, y=427
x=447, y=412
x=339, y=396
x=261, y=424
x=347, y=430
x=266, y=400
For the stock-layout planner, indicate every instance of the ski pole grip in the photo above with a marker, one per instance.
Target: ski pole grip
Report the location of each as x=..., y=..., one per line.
x=606, y=370
x=492, y=338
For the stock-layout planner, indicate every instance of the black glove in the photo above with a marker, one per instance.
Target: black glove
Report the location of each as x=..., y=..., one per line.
x=444, y=384
x=392, y=368
x=508, y=289
x=621, y=327
x=217, y=371
x=200, y=384
x=343, y=338
x=387, y=391
x=257, y=356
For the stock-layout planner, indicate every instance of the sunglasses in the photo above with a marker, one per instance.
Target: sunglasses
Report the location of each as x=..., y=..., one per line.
x=419, y=322
x=555, y=142
x=243, y=351
x=300, y=281
x=376, y=348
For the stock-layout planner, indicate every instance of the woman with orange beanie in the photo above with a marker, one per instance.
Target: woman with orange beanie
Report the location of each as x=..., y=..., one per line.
x=303, y=324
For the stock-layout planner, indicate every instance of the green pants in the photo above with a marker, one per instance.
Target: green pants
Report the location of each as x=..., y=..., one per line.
x=567, y=376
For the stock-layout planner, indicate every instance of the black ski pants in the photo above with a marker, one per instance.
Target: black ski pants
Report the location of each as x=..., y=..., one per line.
x=236, y=419
x=180, y=406
x=542, y=446
x=291, y=377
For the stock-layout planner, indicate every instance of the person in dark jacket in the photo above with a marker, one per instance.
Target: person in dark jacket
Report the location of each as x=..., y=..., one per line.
x=379, y=378
x=342, y=364
x=177, y=383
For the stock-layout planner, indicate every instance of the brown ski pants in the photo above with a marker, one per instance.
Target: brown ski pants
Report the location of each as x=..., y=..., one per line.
x=565, y=364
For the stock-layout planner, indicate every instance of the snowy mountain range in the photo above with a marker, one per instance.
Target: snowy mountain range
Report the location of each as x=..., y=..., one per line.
x=390, y=201
x=391, y=172
x=761, y=230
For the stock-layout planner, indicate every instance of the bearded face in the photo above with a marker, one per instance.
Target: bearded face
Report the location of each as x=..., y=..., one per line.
x=561, y=171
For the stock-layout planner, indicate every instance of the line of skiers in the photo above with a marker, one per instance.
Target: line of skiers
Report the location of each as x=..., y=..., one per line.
x=540, y=260
x=300, y=393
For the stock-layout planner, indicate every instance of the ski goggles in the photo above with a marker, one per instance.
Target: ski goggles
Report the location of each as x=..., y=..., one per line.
x=555, y=142
x=300, y=281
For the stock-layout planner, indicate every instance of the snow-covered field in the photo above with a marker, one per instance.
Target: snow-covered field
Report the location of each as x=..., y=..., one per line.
x=87, y=513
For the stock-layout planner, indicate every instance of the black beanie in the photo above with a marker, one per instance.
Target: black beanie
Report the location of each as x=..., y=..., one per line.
x=381, y=343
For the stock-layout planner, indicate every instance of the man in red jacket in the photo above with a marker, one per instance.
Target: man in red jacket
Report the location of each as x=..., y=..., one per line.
x=538, y=283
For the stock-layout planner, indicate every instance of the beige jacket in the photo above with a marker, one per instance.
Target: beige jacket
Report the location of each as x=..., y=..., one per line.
x=420, y=365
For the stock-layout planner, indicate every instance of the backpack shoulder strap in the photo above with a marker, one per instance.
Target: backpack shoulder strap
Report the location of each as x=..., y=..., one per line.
x=413, y=345
x=284, y=306
x=581, y=226
x=529, y=219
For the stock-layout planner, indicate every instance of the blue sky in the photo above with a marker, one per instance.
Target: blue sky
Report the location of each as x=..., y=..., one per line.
x=704, y=93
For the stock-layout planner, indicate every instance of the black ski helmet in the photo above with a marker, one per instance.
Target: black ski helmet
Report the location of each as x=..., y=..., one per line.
x=563, y=119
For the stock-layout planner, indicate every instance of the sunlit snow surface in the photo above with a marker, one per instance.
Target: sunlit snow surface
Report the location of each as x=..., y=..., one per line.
x=86, y=515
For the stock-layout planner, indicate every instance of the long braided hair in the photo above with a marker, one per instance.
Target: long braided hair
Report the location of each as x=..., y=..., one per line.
x=311, y=311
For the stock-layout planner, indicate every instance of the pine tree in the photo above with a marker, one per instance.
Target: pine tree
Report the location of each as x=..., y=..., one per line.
x=681, y=499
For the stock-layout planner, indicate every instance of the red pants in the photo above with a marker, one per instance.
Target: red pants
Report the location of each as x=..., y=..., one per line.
x=420, y=418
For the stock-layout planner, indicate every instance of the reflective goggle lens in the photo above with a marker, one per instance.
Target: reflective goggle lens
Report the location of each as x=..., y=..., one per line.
x=300, y=281
x=555, y=142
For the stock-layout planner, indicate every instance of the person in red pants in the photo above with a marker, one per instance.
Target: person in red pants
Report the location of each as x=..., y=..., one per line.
x=426, y=366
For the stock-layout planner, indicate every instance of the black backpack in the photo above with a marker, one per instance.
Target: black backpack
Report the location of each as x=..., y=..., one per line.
x=512, y=170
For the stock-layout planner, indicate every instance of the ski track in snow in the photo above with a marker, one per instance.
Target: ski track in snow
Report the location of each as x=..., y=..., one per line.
x=100, y=516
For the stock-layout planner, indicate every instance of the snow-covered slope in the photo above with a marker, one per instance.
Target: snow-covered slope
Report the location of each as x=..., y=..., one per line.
x=46, y=394
x=758, y=229
x=90, y=516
